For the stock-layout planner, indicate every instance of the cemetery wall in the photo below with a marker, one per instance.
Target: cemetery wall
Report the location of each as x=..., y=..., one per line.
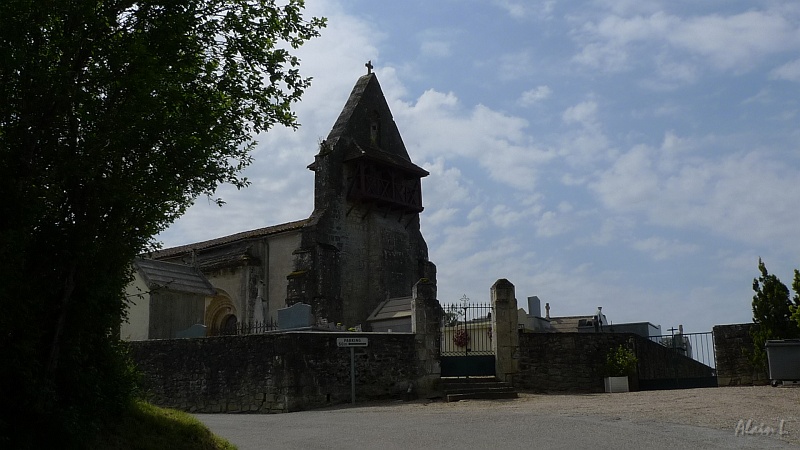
x=734, y=350
x=575, y=362
x=279, y=372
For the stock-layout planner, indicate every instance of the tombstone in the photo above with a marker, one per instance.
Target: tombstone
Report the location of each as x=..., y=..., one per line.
x=194, y=331
x=296, y=316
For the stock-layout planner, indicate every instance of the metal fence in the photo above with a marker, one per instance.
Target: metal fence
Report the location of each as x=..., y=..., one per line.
x=698, y=346
x=243, y=328
x=467, y=329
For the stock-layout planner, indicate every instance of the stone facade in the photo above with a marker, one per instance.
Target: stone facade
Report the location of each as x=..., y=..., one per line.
x=734, y=349
x=361, y=245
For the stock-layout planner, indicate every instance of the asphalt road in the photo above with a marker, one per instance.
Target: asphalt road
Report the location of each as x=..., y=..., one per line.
x=405, y=426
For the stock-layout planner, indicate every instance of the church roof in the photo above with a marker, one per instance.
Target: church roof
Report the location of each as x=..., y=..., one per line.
x=375, y=154
x=365, y=104
x=173, y=277
x=252, y=234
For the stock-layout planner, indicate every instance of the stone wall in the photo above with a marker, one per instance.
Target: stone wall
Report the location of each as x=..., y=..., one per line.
x=575, y=362
x=279, y=372
x=734, y=349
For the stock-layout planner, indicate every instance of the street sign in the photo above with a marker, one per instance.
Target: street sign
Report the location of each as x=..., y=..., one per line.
x=351, y=342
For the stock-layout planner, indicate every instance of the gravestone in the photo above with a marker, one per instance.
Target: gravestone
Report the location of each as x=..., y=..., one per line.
x=194, y=331
x=296, y=316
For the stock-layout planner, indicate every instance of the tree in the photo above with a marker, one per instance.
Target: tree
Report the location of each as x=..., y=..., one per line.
x=795, y=309
x=772, y=312
x=115, y=115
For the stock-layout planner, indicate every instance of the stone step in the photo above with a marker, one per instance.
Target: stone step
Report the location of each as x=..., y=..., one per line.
x=477, y=388
x=481, y=396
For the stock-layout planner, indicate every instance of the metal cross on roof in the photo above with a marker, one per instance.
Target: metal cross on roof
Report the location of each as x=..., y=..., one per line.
x=369, y=67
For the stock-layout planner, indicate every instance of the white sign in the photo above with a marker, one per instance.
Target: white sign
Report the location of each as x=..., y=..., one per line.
x=351, y=342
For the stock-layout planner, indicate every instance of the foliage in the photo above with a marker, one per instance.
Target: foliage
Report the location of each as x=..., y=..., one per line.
x=621, y=362
x=145, y=427
x=114, y=116
x=795, y=309
x=451, y=315
x=772, y=312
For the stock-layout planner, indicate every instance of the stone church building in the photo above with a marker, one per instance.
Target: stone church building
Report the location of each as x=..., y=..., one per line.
x=360, y=246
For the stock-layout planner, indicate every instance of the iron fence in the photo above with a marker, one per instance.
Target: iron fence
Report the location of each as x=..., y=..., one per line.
x=244, y=328
x=467, y=329
x=698, y=346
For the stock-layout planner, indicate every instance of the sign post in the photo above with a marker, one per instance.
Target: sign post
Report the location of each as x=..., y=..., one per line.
x=352, y=343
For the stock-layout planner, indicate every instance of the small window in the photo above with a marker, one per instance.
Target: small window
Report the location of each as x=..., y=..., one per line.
x=375, y=129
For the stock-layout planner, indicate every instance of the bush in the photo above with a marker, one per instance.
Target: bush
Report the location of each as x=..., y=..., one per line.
x=621, y=362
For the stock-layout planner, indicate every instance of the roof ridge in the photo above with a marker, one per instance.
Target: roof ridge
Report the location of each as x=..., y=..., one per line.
x=240, y=236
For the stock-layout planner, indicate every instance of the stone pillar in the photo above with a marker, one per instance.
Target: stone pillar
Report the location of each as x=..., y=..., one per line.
x=505, y=343
x=426, y=324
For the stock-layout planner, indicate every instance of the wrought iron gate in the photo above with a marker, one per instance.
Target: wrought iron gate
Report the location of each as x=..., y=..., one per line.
x=466, y=347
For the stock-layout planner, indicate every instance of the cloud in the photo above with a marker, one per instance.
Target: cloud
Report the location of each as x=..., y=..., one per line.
x=734, y=42
x=440, y=127
x=744, y=196
x=584, y=113
x=436, y=42
x=789, y=71
x=533, y=96
x=520, y=9
x=660, y=248
x=516, y=65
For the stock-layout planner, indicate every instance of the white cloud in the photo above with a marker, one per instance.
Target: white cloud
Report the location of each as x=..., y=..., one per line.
x=744, y=196
x=728, y=42
x=515, y=65
x=660, y=249
x=552, y=224
x=736, y=41
x=584, y=113
x=533, y=96
x=520, y=9
x=498, y=142
x=789, y=71
x=435, y=49
x=504, y=216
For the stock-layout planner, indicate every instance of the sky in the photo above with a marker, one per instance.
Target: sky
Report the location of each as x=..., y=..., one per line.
x=632, y=154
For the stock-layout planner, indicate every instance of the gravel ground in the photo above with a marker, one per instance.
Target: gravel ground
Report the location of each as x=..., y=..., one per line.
x=693, y=418
x=717, y=408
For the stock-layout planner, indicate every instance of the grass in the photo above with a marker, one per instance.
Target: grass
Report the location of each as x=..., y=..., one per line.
x=148, y=427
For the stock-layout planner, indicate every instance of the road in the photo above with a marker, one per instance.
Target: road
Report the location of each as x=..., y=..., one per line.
x=481, y=424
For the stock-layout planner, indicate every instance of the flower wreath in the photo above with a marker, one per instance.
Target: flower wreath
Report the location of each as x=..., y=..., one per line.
x=461, y=338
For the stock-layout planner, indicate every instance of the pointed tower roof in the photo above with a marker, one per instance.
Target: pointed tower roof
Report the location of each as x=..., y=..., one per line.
x=366, y=129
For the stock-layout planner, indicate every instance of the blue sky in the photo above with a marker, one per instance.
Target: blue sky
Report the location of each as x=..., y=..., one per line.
x=636, y=155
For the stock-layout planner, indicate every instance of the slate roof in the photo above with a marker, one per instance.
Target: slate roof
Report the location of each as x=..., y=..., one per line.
x=173, y=277
x=252, y=234
x=393, y=308
x=366, y=91
x=339, y=128
x=356, y=152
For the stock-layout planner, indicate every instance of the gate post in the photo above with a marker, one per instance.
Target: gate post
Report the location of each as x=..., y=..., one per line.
x=426, y=323
x=505, y=343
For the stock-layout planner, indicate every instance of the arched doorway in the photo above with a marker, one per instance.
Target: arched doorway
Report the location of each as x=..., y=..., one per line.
x=221, y=317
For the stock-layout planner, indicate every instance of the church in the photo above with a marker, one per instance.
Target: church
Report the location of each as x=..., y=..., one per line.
x=361, y=245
